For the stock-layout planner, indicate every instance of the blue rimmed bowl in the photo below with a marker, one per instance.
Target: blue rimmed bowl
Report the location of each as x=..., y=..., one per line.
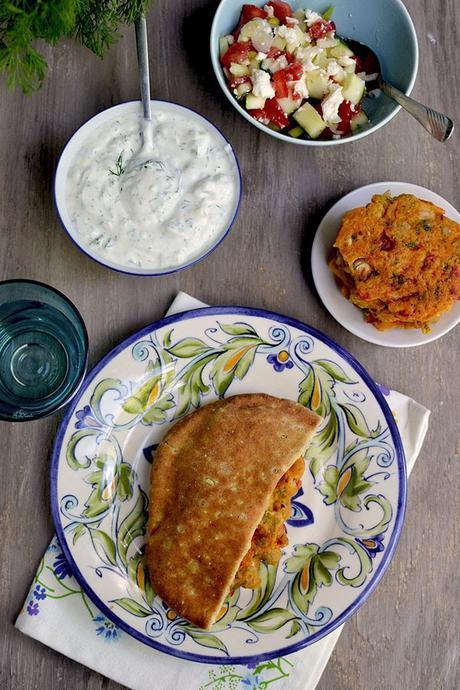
x=72, y=149
x=385, y=26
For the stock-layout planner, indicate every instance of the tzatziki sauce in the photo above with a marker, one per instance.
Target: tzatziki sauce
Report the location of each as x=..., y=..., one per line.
x=167, y=211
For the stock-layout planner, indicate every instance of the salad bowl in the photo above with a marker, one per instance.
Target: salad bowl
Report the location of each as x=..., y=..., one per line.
x=386, y=27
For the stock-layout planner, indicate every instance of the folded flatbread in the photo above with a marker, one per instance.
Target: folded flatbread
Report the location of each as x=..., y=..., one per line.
x=216, y=477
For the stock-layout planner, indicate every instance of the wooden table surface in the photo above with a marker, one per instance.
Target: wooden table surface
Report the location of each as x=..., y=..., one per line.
x=406, y=635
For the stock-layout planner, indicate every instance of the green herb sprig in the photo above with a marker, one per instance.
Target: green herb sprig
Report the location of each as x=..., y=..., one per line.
x=119, y=169
x=95, y=23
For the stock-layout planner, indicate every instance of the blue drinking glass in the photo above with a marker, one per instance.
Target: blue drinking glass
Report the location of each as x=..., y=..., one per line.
x=43, y=350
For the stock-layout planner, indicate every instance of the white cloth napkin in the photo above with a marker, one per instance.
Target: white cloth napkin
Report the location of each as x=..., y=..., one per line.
x=58, y=613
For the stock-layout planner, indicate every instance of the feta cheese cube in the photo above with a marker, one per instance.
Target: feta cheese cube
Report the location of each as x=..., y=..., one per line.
x=331, y=104
x=312, y=17
x=261, y=86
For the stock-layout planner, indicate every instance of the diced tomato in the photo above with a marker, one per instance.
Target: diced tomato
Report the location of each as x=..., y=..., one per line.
x=274, y=53
x=289, y=57
x=293, y=72
x=281, y=10
x=276, y=113
x=249, y=12
x=284, y=76
x=346, y=111
x=280, y=85
x=237, y=53
x=260, y=115
x=236, y=81
x=320, y=29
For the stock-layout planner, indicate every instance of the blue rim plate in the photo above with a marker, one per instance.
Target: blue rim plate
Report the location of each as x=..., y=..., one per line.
x=346, y=518
x=65, y=161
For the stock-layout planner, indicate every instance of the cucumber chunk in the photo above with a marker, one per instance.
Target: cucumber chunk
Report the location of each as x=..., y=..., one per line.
x=317, y=84
x=239, y=70
x=358, y=121
x=279, y=43
x=296, y=132
x=310, y=120
x=342, y=50
x=243, y=89
x=223, y=45
x=254, y=102
x=353, y=88
x=288, y=105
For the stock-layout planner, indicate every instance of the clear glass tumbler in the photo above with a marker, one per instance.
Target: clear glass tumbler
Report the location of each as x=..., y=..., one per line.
x=43, y=350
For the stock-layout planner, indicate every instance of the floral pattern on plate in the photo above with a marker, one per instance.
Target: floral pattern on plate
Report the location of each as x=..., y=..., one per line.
x=345, y=519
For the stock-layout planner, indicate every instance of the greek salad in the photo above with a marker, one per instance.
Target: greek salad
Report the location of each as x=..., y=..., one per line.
x=290, y=72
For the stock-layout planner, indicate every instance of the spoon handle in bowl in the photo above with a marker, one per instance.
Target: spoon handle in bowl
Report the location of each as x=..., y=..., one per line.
x=143, y=61
x=437, y=124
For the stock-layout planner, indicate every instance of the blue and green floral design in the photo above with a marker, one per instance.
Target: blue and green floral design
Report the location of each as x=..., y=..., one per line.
x=352, y=483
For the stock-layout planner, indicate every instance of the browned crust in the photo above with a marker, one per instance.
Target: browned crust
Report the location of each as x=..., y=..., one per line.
x=212, y=478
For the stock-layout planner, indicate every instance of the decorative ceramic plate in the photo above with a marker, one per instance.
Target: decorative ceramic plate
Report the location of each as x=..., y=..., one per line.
x=345, y=520
x=349, y=316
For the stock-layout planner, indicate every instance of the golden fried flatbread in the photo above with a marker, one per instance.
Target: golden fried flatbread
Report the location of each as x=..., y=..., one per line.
x=213, y=477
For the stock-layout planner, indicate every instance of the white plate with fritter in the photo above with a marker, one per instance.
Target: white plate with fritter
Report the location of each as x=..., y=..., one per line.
x=347, y=314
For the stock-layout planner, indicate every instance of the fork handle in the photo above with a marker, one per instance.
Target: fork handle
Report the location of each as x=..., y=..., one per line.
x=437, y=124
x=143, y=62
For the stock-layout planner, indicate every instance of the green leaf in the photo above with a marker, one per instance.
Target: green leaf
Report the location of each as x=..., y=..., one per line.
x=188, y=347
x=295, y=628
x=167, y=338
x=329, y=559
x=191, y=386
x=238, y=328
x=157, y=413
x=323, y=445
x=245, y=363
x=103, y=545
x=137, y=402
x=328, y=13
x=221, y=378
x=271, y=620
x=99, y=392
x=306, y=388
x=95, y=506
x=261, y=595
x=302, y=555
x=328, y=487
x=334, y=370
x=78, y=532
x=132, y=526
x=364, y=560
x=266, y=665
x=206, y=640
x=301, y=600
x=132, y=607
x=321, y=574
x=356, y=420
x=126, y=480
x=70, y=456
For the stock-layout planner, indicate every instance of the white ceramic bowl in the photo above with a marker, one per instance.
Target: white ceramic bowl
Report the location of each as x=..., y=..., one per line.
x=72, y=148
x=349, y=316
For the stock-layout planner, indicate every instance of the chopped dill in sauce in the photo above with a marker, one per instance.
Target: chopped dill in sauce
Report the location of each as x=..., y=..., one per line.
x=166, y=211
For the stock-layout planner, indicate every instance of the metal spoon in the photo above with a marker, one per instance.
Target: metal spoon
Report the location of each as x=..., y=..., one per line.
x=146, y=152
x=437, y=124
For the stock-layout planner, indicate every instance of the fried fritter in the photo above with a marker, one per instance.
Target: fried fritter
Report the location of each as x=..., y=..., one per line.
x=398, y=259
